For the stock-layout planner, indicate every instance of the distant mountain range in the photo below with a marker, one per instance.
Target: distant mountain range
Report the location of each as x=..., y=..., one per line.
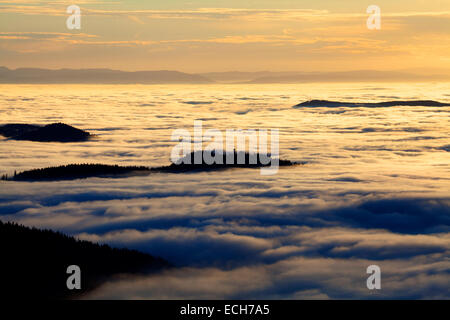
x=348, y=76
x=108, y=76
x=100, y=76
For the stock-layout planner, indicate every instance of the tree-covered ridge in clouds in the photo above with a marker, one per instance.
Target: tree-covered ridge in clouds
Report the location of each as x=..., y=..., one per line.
x=34, y=262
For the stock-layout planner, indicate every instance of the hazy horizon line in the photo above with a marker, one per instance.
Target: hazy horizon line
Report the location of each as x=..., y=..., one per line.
x=113, y=76
x=415, y=70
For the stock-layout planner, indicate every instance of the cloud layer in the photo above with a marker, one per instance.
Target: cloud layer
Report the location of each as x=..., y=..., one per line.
x=374, y=189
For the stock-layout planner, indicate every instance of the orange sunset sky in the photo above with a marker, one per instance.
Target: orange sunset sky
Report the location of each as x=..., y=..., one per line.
x=201, y=35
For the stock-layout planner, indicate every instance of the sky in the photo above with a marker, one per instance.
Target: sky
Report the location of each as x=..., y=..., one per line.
x=203, y=36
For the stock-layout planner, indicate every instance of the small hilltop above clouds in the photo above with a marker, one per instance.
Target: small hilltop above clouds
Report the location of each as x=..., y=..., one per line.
x=55, y=132
x=385, y=104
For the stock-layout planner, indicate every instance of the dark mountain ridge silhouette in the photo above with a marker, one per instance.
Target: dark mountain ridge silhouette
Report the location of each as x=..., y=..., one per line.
x=334, y=104
x=55, y=132
x=34, y=263
x=79, y=171
x=82, y=171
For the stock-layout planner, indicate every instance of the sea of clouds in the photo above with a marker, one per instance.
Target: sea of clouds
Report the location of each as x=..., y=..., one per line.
x=373, y=190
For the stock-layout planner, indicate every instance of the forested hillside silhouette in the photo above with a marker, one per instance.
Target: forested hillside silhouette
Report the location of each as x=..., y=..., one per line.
x=34, y=263
x=81, y=171
x=77, y=171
